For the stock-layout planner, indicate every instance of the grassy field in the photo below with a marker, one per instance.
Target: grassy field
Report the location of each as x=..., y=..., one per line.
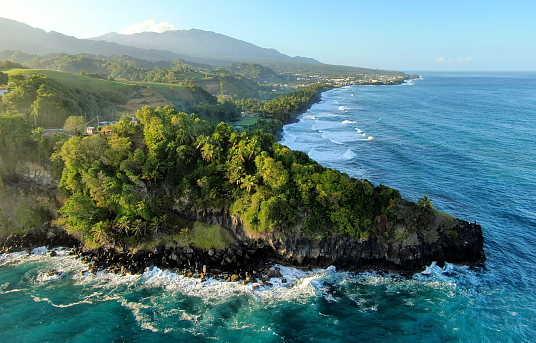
x=246, y=121
x=203, y=236
x=177, y=94
x=174, y=93
x=210, y=236
x=73, y=80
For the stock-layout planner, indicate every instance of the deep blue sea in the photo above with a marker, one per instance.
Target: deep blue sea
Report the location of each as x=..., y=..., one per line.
x=467, y=140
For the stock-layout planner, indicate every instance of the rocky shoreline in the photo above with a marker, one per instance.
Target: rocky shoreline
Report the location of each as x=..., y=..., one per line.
x=241, y=261
x=250, y=258
x=391, y=247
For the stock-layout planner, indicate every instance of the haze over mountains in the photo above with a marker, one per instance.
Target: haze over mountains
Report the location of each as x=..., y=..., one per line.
x=199, y=43
x=193, y=45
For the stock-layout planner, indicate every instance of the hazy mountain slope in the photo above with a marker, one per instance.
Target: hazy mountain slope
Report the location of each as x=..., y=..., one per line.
x=18, y=39
x=199, y=43
x=27, y=39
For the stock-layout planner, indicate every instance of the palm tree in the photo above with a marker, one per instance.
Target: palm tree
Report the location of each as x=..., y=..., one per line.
x=425, y=202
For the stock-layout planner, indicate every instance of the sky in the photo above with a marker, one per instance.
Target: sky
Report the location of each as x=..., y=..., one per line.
x=405, y=35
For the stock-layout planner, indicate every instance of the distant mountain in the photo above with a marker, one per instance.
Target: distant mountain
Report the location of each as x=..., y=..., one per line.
x=191, y=45
x=18, y=36
x=21, y=42
x=200, y=44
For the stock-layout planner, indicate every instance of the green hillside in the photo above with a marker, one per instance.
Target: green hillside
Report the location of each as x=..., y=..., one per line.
x=48, y=97
x=73, y=80
x=177, y=94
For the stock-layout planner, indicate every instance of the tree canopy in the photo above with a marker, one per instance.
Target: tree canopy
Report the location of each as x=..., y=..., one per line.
x=128, y=183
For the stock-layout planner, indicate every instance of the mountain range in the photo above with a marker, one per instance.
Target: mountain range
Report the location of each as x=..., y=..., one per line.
x=200, y=44
x=192, y=45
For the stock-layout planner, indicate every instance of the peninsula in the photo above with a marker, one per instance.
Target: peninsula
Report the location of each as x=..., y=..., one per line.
x=174, y=191
x=147, y=162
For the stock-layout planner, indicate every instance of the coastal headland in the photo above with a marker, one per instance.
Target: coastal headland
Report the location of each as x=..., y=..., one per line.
x=287, y=210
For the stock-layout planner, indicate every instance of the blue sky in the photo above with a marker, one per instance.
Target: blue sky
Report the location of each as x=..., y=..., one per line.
x=406, y=35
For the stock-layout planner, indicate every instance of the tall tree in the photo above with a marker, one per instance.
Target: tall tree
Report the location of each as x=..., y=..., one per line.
x=3, y=78
x=74, y=125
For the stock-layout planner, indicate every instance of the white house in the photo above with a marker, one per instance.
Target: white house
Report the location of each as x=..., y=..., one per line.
x=3, y=91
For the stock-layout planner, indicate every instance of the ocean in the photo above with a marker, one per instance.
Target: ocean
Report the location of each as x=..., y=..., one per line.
x=467, y=140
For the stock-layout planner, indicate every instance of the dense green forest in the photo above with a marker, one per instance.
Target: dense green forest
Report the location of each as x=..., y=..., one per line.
x=128, y=185
x=125, y=186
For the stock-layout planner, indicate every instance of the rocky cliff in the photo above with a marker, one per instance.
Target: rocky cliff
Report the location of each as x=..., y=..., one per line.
x=396, y=246
x=392, y=248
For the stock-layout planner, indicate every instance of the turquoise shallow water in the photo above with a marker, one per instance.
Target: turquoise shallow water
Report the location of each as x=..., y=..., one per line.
x=466, y=140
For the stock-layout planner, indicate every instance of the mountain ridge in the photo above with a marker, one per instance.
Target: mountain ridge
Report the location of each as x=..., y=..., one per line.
x=19, y=36
x=15, y=35
x=199, y=43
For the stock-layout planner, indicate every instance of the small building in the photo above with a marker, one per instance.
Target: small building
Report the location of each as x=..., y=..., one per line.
x=134, y=120
x=107, y=130
x=3, y=91
x=50, y=132
x=90, y=130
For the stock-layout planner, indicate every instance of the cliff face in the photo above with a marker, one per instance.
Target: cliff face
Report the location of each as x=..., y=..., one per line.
x=401, y=246
x=411, y=251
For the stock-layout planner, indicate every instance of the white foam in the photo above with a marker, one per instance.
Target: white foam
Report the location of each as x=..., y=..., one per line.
x=40, y=251
x=142, y=318
x=448, y=277
x=346, y=122
x=216, y=291
x=326, y=135
x=51, y=275
x=349, y=154
x=37, y=254
x=38, y=299
x=295, y=285
x=327, y=125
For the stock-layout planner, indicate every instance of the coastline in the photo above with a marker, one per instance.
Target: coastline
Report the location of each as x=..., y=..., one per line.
x=293, y=118
x=250, y=258
x=249, y=255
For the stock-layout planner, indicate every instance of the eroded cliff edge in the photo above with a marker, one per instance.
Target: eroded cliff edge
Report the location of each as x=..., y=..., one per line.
x=394, y=248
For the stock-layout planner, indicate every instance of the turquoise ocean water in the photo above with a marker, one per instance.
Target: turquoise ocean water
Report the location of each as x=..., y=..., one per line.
x=467, y=140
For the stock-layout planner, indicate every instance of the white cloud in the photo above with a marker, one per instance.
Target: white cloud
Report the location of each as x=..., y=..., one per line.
x=465, y=59
x=458, y=60
x=148, y=26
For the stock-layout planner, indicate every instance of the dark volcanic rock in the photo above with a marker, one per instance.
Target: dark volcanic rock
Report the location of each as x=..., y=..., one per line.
x=400, y=249
x=48, y=236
